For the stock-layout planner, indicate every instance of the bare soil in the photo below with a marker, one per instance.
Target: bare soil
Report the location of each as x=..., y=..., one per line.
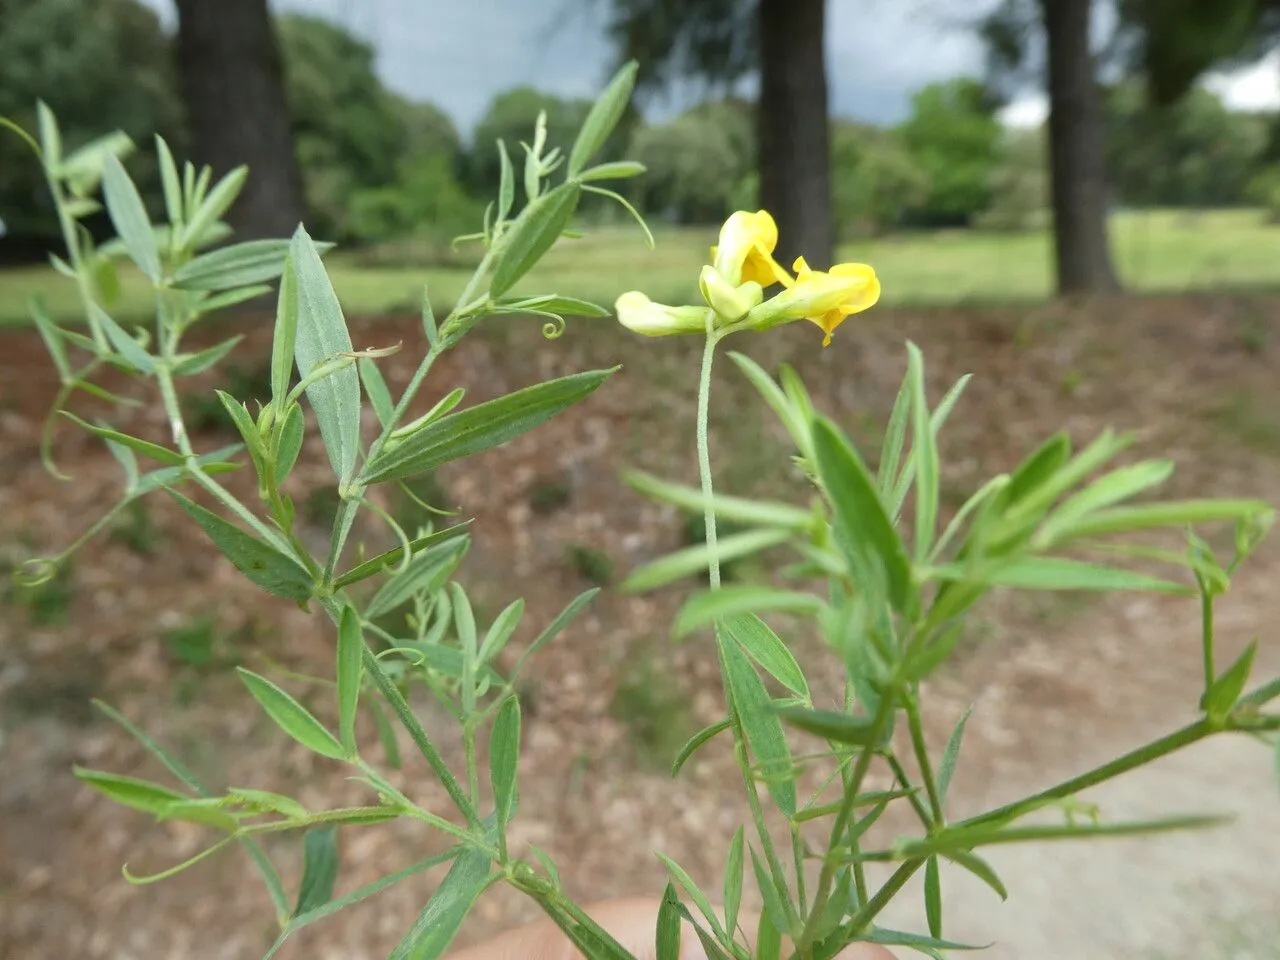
x=1058, y=684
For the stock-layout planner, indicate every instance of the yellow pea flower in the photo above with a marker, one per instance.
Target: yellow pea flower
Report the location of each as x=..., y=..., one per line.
x=745, y=250
x=641, y=315
x=823, y=297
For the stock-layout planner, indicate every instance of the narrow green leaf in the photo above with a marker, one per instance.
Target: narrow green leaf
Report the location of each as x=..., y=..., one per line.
x=556, y=627
x=555, y=303
x=951, y=753
x=129, y=216
x=350, y=672
x=506, y=183
x=1057, y=573
x=375, y=388
x=214, y=205
x=691, y=746
x=895, y=436
x=769, y=513
x=440, y=919
x=290, y=441
x=51, y=336
x=208, y=812
x=936, y=423
x=426, y=572
x=291, y=716
x=319, y=869
x=1176, y=513
x=796, y=426
x=83, y=167
x=264, y=801
x=322, y=334
x=768, y=937
x=980, y=869
x=775, y=906
x=128, y=463
x=735, y=599
x=760, y=724
x=897, y=938
x=667, y=940
x=1036, y=469
x=237, y=265
x=733, y=872
x=145, y=447
x=1118, y=485
x=697, y=559
x=1226, y=689
x=961, y=837
x=261, y=562
x=617, y=170
x=386, y=733
x=50, y=136
x=169, y=181
x=285, y=335
x=925, y=454
x=245, y=424
x=831, y=725
x=933, y=897
x=602, y=118
x=129, y=791
x=504, y=757
x=694, y=891
x=209, y=357
x=1261, y=696
x=236, y=295
x=391, y=557
x=767, y=649
x=532, y=234
x=133, y=352
x=482, y=427
x=868, y=537
x=500, y=631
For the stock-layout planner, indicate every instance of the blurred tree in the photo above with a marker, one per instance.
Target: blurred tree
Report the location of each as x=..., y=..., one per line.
x=698, y=164
x=233, y=87
x=1077, y=155
x=1193, y=152
x=348, y=131
x=1177, y=41
x=100, y=65
x=782, y=41
x=1019, y=185
x=875, y=180
x=954, y=137
x=428, y=130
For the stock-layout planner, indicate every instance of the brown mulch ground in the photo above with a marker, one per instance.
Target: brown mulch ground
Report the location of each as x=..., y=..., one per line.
x=1060, y=682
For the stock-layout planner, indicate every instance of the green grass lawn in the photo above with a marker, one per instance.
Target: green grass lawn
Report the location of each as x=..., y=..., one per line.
x=1157, y=251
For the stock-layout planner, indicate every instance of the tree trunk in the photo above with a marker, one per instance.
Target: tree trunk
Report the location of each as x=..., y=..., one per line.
x=1076, y=158
x=793, y=129
x=233, y=86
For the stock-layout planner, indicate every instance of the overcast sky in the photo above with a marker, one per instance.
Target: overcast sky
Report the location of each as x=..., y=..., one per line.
x=459, y=53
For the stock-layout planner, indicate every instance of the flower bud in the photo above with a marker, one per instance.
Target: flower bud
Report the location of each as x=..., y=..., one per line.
x=641, y=315
x=731, y=303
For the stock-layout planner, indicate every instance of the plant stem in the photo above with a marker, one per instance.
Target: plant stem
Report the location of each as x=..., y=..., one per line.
x=896, y=882
x=921, y=750
x=887, y=705
x=704, y=454
x=1130, y=761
